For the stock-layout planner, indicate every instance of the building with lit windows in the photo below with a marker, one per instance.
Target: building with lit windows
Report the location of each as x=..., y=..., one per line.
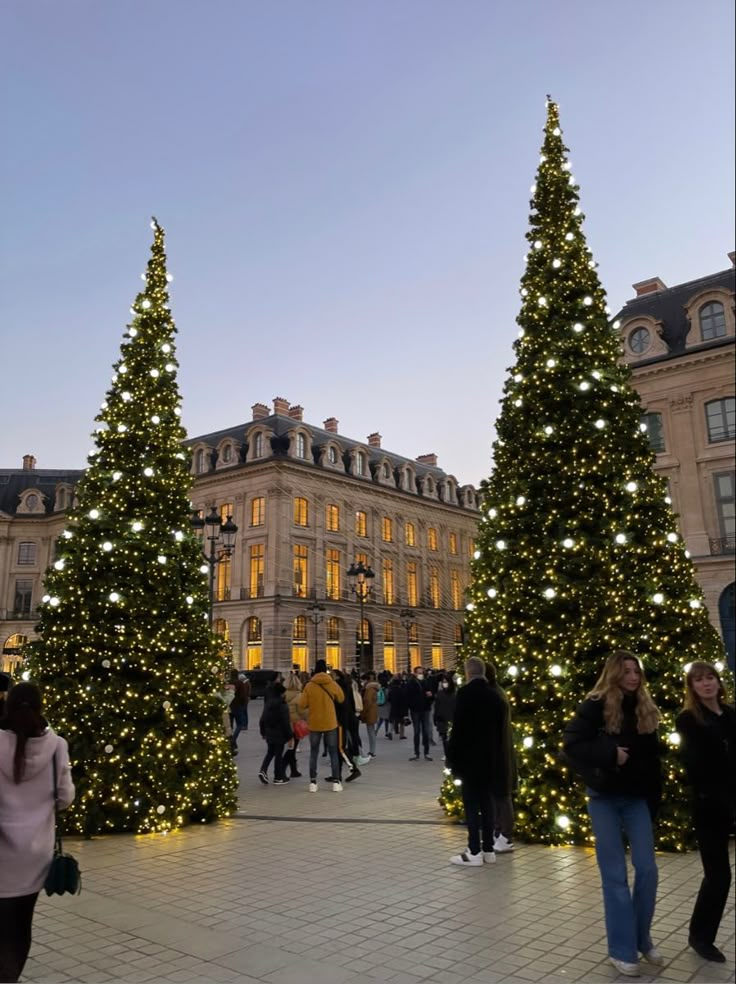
x=309, y=504
x=679, y=342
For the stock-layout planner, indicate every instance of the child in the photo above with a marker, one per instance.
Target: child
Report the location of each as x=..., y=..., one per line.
x=275, y=727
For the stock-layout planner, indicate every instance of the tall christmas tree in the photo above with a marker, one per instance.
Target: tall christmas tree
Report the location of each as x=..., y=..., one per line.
x=126, y=661
x=578, y=551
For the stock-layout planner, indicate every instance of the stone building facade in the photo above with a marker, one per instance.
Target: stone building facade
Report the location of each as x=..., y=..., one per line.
x=680, y=343
x=308, y=503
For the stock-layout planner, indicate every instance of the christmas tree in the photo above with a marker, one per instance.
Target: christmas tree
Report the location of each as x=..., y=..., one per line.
x=128, y=667
x=578, y=551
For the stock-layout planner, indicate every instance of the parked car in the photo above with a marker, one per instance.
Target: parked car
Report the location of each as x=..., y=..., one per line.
x=259, y=680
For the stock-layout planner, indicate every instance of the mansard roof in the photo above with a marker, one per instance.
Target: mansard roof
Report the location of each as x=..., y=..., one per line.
x=15, y=481
x=668, y=306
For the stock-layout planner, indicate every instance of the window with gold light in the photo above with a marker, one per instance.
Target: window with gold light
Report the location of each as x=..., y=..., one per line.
x=410, y=535
x=361, y=523
x=332, y=574
x=257, y=570
x=452, y=543
x=258, y=510
x=333, y=517
x=301, y=511
x=434, y=587
x=412, y=587
x=389, y=594
x=432, y=538
x=387, y=529
x=456, y=591
x=300, y=570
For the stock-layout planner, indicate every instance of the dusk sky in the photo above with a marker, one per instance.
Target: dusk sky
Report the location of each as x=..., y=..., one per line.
x=345, y=192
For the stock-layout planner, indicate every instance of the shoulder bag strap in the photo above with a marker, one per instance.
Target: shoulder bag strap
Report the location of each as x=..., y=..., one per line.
x=57, y=828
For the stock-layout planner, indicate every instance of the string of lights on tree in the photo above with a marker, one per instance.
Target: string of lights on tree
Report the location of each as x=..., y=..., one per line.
x=578, y=551
x=129, y=670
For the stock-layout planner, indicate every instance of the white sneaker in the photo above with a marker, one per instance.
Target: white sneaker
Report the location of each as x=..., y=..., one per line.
x=489, y=857
x=468, y=859
x=337, y=787
x=625, y=968
x=362, y=760
x=655, y=957
x=313, y=787
x=502, y=845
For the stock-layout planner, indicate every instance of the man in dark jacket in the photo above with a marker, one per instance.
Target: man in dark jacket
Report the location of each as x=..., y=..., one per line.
x=476, y=756
x=275, y=727
x=420, y=699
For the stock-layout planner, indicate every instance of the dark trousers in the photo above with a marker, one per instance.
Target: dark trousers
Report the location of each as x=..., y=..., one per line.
x=16, y=917
x=713, y=821
x=290, y=758
x=275, y=752
x=478, y=805
x=503, y=815
x=419, y=723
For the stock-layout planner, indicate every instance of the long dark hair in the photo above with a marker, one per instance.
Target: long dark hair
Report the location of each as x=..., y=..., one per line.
x=23, y=717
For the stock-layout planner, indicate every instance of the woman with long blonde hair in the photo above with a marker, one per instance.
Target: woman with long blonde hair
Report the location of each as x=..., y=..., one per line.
x=707, y=725
x=612, y=744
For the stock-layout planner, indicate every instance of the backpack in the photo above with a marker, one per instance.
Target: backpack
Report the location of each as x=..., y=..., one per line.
x=381, y=697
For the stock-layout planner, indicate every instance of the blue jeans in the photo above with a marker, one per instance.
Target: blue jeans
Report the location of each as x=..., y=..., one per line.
x=628, y=916
x=419, y=724
x=315, y=737
x=240, y=718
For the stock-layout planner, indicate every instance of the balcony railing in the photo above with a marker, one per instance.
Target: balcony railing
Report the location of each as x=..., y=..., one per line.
x=723, y=545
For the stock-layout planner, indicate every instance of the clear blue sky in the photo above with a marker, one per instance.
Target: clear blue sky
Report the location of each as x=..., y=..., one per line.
x=344, y=187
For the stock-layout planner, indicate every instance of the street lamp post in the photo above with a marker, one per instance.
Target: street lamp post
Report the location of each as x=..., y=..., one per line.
x=221, y=535
x=359, y=578
x=406, y=615
x=316, y=613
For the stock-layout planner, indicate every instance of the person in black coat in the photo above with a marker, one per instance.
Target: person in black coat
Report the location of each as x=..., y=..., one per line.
x=420, y=699
x=275, y=727
x=476, y=756
x=396, y=697
x=707, y=726
x=444, y=708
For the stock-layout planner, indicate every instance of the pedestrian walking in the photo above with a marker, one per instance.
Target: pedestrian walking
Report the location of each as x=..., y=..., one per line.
x=444, y=708
x=707, y=725
x=320, y=698
x=398, y=706
x=369, y=714
x=475, y=755
x=239, y=706
x=420, y=699
x=28, y=749
x=503, y=806
x=348, y=738
x=612, y=743
x=384, y=711
x=294, y=689
x=276, y=730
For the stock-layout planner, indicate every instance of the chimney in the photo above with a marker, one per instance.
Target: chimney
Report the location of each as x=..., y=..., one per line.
x=260, y=410
x=29, y=462
x=374, y=440
x=427, y=459
x=651, y=286
x=331, y=425
x=281, y=406
x=296, y=412
x=732, y=258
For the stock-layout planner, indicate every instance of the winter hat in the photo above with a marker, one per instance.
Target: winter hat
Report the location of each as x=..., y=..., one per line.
x=320, y=666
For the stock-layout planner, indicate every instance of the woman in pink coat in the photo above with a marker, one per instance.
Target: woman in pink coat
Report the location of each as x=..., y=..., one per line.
x=27, y=747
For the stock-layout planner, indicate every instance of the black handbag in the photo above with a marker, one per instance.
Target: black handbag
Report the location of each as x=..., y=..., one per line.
x=63, y=875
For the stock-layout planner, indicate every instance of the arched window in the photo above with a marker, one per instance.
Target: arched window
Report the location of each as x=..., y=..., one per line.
x=429, y=486
x=227, y=454
x=332, y=641
x=254, y=635
x=221, y=628
x=386, y=470
x=258, y=445
x=437, y=657
x=300, y=446
x=712, y=321
x=359, y=463
x=201, y=461
x=332, y=455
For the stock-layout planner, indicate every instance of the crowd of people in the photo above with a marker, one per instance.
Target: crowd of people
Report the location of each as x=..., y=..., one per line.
x=611, y=743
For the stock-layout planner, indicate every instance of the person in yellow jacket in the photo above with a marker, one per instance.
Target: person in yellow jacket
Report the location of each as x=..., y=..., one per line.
x=319, y=698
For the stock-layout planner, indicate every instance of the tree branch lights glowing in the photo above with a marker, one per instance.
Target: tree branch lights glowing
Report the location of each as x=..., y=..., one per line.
x=128, y=667
x=576, y=550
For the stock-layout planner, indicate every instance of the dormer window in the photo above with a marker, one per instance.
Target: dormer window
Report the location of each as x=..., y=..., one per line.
x=258, y=446
x=712, y=321
x=300, y=446
x=227, y=454
x=359, y=463
x=201, y=461
x=386, y=470
x=639, y=340
x=332, y=455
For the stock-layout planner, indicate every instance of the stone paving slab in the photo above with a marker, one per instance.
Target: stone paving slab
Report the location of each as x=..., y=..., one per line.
x=345, y=888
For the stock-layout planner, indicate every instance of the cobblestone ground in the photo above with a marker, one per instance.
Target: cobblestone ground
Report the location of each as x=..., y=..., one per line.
x=345, y=887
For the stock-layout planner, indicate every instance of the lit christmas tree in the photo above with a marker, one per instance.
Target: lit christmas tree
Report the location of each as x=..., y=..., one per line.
x=128, y=667
x=578, y=551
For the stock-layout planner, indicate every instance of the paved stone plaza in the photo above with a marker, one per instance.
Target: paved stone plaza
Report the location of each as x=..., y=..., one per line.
x=355, y=887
